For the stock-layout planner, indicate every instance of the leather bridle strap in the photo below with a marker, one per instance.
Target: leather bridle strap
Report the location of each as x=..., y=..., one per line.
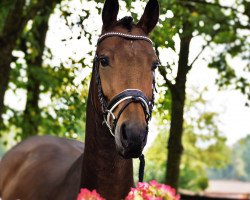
x=128, y=96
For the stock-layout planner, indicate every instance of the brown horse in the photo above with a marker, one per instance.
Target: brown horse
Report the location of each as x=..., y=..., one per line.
x=119, y=106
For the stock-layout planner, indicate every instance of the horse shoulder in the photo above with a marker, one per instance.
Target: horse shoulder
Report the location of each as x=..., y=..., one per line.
x=40, y=163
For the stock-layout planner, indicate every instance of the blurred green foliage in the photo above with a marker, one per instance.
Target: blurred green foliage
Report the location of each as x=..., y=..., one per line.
x=239, y=166
x=5, y=7
x=34, y=64
x=224, y=31
x=204, y=147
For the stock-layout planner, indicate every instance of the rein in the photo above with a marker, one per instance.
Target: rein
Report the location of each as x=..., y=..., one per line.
x=127, y=96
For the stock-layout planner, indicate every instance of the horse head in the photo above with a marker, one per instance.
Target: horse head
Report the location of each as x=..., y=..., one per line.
x=125, y=64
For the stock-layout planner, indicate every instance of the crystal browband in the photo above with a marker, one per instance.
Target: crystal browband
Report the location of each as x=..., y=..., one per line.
x=123, y=35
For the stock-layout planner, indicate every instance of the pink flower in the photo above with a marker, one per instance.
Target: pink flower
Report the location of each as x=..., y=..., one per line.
x=152, y=191
x=85, y=194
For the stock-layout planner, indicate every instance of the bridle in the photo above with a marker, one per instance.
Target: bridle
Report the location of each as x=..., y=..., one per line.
x=127, y=96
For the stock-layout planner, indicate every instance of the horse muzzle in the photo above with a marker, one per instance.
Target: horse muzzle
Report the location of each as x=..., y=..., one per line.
x=131, y=138
x=130, y=135
x=127, y=97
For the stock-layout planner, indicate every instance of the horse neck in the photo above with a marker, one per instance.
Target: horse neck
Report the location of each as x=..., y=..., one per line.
x=103, y=169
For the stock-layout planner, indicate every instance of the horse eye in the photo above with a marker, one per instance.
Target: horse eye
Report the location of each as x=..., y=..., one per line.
x=155, y=65
x=104, y=61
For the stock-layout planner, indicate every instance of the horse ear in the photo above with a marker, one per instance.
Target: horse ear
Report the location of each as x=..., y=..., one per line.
x=110, y=12
x=150, y=16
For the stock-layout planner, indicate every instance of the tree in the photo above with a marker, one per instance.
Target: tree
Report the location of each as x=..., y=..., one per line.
x=65, y=115
x=35, y=38
x=204, y=147
x=186, y=20
x=8, y=35
x=58, y=82
x=14, y=15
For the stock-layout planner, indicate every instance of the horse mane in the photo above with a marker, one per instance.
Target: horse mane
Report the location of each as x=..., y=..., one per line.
x=126, y=22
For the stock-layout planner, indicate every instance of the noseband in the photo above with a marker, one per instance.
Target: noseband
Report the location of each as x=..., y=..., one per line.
x=127, y=96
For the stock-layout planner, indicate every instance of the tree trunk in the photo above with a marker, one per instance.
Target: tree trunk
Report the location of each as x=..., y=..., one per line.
x=11, y=30
x=175, y=147
x=31, y=116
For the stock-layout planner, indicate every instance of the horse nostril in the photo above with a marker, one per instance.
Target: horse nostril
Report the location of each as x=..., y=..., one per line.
x=124, y=134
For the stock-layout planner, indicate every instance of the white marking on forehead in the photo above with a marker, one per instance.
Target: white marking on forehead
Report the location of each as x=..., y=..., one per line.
x=132, y=44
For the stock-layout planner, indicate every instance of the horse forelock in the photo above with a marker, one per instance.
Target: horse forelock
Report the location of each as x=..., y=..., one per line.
x=127, y=22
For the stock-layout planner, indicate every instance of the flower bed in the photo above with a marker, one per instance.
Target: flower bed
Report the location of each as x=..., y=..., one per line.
x=144, y=191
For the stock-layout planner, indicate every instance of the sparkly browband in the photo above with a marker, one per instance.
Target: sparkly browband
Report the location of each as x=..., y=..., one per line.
x=123, y=35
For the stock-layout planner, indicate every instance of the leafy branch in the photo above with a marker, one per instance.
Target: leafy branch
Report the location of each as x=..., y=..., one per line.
x=210, y=4
x=163, y=72
x=203, y=49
